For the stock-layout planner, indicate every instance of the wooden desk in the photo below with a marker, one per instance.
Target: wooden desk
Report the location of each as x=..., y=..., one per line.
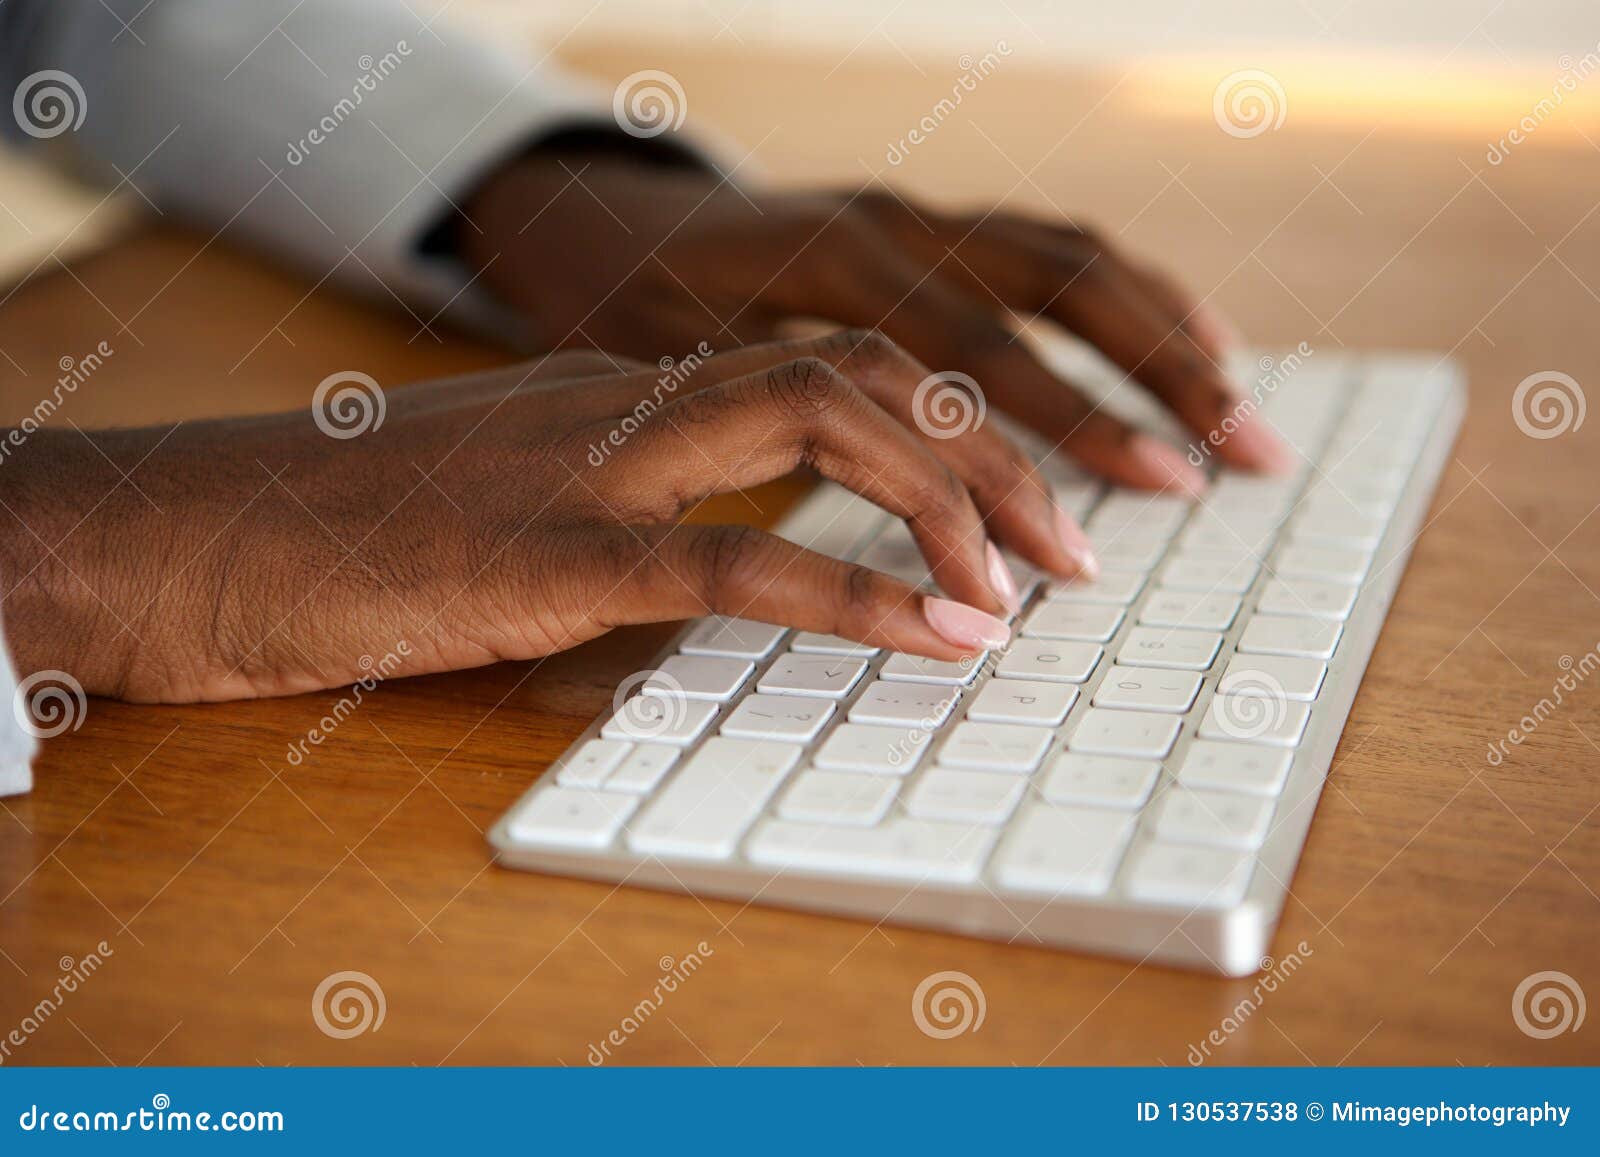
x=229, y=884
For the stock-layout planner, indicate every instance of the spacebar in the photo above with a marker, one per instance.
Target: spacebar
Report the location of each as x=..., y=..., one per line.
x=900, y=849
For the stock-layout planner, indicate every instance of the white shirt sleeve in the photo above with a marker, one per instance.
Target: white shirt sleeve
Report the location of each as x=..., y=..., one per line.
x=336, y=133
x=17, y=742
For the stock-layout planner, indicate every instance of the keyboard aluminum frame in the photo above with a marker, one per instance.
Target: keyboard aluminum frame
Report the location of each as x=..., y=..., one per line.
x=1231, y=941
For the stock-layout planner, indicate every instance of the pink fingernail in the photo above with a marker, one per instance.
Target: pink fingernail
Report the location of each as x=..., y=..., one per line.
x=964, y=626
x=1166, y=463
x=1001, y=580
x=1076, y=544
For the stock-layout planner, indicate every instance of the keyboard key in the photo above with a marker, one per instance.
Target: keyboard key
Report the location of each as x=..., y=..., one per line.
x=705, y=809
x=895, y=552
x=1330, y=563
x=1197, y=610
x=824, y=676
x=1322, y=600
x=1211, y=574
x=972, y=797
x=898, y=849
x=731, y=638
x=1123, y=553
x=916, y=669
x=571, y=817
x=660, y=718
x=1221, y=819
x=1169, y=647
x=1189, y=877
x=1280, y=635
x=1363, y=531
x=1274, y=675
x=1243, y=767
x=1136, y=734
x=1023, y=701
x=1085, y=622
x=782, y=717
x=1148, y=689
x=589, y=765
x=922, y=706
x=880, y=750
x=1138, y=514
x=1274, y=722
x=1063, y=850
x=995, y=746
x=1049, y=661
x=1110, y=586
x=810, y=643
x=838, y=797
x=643, y=768
x=1100, y=780
x=699, y=677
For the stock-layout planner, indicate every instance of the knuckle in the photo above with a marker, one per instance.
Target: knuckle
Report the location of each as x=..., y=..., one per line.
x=808, y=387
x=862, y=592
x=940, y=497
x=728, y=560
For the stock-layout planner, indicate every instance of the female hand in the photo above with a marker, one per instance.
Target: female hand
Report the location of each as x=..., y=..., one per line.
x=478, y=522
x=596, y=247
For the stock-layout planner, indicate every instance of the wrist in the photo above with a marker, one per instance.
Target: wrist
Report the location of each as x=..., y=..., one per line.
x=81, y=562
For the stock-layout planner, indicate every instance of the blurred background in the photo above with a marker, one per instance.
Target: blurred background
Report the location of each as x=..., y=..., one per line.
x=1467, y=68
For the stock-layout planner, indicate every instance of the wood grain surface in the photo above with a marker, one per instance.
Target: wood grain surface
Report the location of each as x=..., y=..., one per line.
x=227, y=883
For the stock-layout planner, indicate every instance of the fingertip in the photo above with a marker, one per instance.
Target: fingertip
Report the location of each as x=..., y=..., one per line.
x=1253, y=445
x=1075, y=543
x=1208, y=325
x=1163, y=467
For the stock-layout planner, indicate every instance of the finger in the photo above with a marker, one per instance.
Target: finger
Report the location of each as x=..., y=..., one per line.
x=946, y=327
x=653, y=574
x=1075, y=278
x=1203, y=321
x=805, y=413
x=1004, y=486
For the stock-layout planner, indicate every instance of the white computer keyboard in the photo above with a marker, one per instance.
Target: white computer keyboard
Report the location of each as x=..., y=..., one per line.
x=1135, y=774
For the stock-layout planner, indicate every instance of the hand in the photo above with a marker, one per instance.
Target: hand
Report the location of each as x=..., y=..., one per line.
x=504, y=515
x=595, y=248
